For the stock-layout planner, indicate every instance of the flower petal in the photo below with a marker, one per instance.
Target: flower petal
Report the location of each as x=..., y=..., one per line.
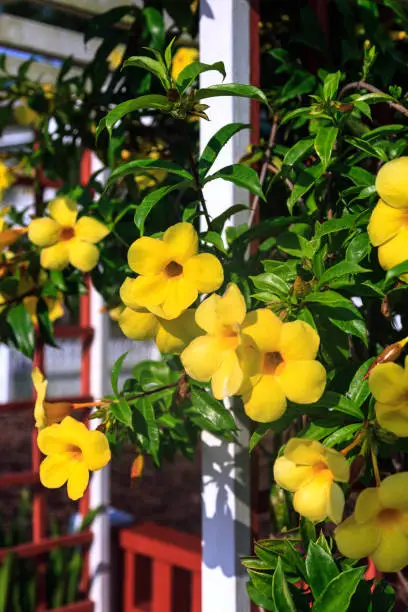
x=231, y=309
x=395, y=251
x=205, y=272
x=40, y=384
x=264, y=328
x=78, y=480
x=356, y=540
x=337, y=464
x=180, y=295
x=393, y=491
x=54, y=470
x=95, y=450
x=290, y=476
x=392, y=183
x=336, y=503
x=148, y=256
x=265, y=402
x=207, y=314
x=298, y=341
x=303, y=382
x=227, y=378
x=90, y=230
x=395, y=421
x=83, y=255
x=64, y=211
x=385, y=223
x=391, y=554
x=368, y=505
x=44, y=232
x=202, y=357
x=174, y=335
x=305, y=452
x=138, y=325
x=313, y=499
x=182, y=241
x=144, y=291
x=55, y=257
x=55, y=439
x=55, y=307
x=388, y=383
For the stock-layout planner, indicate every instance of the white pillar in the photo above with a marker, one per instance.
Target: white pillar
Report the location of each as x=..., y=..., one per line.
x=5, y=374
x=99, y=558
x=226, y=533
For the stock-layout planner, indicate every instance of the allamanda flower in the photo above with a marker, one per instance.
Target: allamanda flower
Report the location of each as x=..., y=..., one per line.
x=287, y=367
x=171, y=273
x=72, y=452
x=379, y=526
x=388, y=383
x=223, y=355
x=388, y=226
x=64, y=239
x=171, y=336
x=6, y=178
x=182, y=58
x=310, y=470
x=47, y=413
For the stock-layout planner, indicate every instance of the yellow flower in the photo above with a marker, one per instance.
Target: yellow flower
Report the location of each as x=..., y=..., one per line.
x=55, y=307
x=24, y=115
x=388, y=383
x=288, y=369
x=379, y=526
x=47, y=413
x=310, y=470
x=115, y=57
x=171, y=336
x=182, y=58
x=171, y=274
x=72, y=451
x=115, y=312
x=392, y=183
x=388, y=230
x=6, y=180
x=65, y=239
x=222, y=355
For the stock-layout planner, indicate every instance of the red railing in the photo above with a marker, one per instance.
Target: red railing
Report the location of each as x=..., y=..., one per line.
x=41, y=545
x=162, y=569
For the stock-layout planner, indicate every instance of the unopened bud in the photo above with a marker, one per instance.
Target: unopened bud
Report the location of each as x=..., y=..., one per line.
x=173, y=95
x=56, y=411
x=356, y=469
x=136, y=468
x=300, y=287
x=183, y=391
x=347, y=107
x=390, y=353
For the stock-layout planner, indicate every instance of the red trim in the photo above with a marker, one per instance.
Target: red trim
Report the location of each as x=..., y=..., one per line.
x=19, y=480
x=82, y=606
x=30, y=550
x=29, y=404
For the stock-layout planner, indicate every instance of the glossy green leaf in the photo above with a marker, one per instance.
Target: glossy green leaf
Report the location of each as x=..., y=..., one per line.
x=23, y=329
x=215, y=145
x=395, y=272
x=155, y=25
x=339, y=403
x=190, y=73
x=280, y=591
x=261, y=430
x=342, y=435
x=122, y=411
x=145, y=406
x=136, y=165
x=240, y=175
x=154, y=66
x=320, y=567
x=150, y=201
x=116, y=370
x=362, y=145
x=324, y=143
x=341, y=269
x=331, y=85
x=218, y=222
x=215, y=414
x=260, y=599
x=358, y=390
x=337, y=595
x=298, y=151
x=332, y=299
x=231, y=89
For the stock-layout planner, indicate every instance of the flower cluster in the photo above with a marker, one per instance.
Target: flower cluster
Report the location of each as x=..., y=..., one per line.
x=388, y=227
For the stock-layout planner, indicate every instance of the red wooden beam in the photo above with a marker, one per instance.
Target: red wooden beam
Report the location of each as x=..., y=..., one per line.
x=28, y=404
x=33, y=549
x=74, y=331
x=81, y=606
x=19, y=480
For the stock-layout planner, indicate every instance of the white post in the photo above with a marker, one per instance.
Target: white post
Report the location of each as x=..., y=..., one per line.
x=99, y=559
x=226, y=529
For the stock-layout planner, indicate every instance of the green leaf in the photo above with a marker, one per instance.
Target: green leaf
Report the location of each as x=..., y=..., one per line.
x=116, y=370
x=341, y=269
x=168, y=53
x=150, y=201
x=339, y=403
x=336, y=225
x=362, y=145
x=298, y=151
x=242, y=176
x=145, y=407
x=358, y=390
x=260, y=599
x=337, y=595
x=342, y=435
x=155, y=26
x=23, y=329
x=215, y=144
x=218, y=222
x=305, y=181
x=190, y=73
x=231, y=89
x=331, y=85
x=307, y=531
x=373, y=98
x=122, y=411
x=324, y=143
x=320, y=567
x=332, y=299
x=358, y=248
x=360, y=176
x=217, y=417
x=395, y=272
x=149, y=101
x=261, y=430
x=280, y=591
x=350, y=325
x=99, y=24
x=383, y=598
x=146, y=164
x=297, y=112
x=152, y=65
x=272, y=283
x=44, y=323
x=6, y=580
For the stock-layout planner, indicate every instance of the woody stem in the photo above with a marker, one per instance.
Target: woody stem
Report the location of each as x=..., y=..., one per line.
x=355, y=442
x=375, y=467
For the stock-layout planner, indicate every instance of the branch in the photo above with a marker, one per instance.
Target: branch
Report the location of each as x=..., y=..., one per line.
x=372, y=89
x=264, y=169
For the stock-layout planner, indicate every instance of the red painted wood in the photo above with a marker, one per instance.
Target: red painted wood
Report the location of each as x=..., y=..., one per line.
x=82, y=606
x=28, y=404
x=196, y=592
x=19, y=480
x=31, y=549
x=162, y=586
x=129, y=582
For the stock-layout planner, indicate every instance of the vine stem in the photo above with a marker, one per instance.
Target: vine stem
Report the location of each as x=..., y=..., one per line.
x=375, y=468
x=372, y=89
x=132, y=397
x=265, y=167
x=355, y=442
x=194, y=171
